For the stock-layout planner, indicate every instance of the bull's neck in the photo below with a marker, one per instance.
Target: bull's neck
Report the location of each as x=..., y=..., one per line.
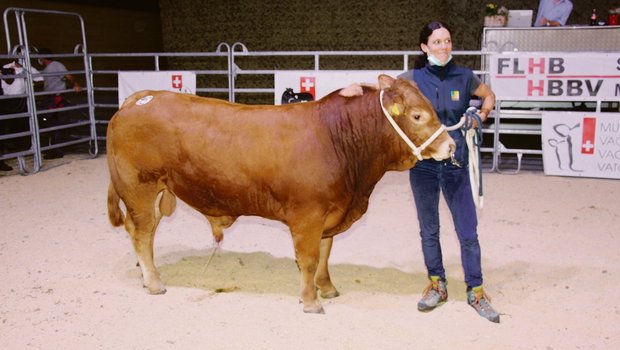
x=393, y=152
x=363, y=140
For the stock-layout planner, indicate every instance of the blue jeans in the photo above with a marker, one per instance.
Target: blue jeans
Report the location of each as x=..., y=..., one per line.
x=427, y=178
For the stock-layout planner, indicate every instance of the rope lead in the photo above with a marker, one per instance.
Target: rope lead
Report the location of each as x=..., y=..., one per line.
x=473, y=137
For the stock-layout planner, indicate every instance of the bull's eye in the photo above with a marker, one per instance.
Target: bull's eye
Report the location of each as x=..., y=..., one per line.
x=416, y=117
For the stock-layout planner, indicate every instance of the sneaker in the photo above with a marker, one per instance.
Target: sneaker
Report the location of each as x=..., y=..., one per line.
x=478, y=299
x=434, y=295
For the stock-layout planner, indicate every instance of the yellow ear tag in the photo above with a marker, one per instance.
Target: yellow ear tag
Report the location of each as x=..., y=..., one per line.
x=395, y=109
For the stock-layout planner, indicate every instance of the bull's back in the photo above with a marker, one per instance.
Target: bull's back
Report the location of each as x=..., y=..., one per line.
x=174, y=128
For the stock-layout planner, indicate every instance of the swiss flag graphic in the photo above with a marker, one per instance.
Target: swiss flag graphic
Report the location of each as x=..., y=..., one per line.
x=307, y=84
x=177, y=81
x=587, y=140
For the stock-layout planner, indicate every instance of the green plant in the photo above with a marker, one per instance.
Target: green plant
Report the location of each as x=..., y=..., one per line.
x=493, y=9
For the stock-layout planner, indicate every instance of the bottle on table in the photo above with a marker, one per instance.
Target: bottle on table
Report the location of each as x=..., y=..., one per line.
x=593, y=18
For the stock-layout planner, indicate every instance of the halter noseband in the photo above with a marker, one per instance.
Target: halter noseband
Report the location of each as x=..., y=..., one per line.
x=417, y=151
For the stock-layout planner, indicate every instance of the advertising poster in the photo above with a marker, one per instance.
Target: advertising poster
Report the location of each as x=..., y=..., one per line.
x=581, y=144
x=556, y=76
x=303, y=86
x=177, y=81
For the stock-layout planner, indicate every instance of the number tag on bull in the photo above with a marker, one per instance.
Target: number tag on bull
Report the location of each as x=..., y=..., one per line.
x=144, y=100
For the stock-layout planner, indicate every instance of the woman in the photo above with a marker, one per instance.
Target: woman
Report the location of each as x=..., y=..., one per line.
x=449, y=88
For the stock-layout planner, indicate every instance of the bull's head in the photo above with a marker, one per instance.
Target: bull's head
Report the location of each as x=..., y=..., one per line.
x=413, y=113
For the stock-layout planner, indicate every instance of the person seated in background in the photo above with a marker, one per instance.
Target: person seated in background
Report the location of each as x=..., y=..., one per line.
x=13, y=86
x=56, y=81
x=553, y=13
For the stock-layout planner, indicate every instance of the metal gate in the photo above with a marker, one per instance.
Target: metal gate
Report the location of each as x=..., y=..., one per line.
x=77, y=124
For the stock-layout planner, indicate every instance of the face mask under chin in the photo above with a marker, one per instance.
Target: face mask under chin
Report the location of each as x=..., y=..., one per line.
x=436, y=62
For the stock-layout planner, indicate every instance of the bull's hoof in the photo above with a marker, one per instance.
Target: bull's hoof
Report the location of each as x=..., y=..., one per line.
x=156, y=291
x=315, y=308
x=330, y=294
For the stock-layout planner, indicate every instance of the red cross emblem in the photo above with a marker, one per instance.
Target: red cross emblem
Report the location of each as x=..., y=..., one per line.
x=307, y=84
x=587, y=140
x=177, y=81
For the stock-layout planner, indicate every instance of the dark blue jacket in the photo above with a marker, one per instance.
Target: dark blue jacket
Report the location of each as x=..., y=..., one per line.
x=449, y=89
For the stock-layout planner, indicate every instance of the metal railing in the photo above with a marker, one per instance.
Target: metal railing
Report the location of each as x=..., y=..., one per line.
x=220, y=74
x=226, y=62
x=36, y=110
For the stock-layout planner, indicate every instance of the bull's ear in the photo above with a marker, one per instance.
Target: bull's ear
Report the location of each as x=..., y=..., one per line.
x=385, y=81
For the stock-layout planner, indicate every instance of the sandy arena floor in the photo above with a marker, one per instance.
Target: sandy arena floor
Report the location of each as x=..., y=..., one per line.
x=551, y=257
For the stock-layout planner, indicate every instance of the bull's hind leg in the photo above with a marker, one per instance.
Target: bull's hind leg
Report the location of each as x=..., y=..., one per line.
x=141, y=224
x=322, y=279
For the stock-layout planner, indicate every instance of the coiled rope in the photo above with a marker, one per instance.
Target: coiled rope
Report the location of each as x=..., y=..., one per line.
x=473, y=137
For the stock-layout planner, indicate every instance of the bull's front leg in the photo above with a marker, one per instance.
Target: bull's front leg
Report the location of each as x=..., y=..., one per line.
x=322, y=279
x=307, y=243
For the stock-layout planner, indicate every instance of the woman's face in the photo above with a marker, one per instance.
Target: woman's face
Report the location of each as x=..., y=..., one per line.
x=439, y=44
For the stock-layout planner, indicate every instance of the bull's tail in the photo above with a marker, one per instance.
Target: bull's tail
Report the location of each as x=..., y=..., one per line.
x=115, y=214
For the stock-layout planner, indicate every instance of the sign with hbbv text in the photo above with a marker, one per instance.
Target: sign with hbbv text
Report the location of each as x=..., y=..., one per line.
x=177, y=81
x=581, y=144
x=538, y=76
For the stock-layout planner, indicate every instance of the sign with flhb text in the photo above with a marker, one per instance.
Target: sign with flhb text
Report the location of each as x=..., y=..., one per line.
x=177, y=81
x=581, y=144
x=538, y=76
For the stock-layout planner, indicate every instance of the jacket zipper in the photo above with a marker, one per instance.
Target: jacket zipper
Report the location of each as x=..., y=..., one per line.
x=441, y=105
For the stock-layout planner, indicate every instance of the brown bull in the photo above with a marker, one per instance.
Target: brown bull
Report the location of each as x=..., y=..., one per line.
x=309, y=165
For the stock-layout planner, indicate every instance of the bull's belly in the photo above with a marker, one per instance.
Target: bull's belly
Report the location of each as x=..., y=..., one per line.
x=214, y=202
x=234, y=202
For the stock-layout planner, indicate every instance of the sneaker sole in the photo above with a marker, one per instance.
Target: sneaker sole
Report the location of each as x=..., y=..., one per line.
x=430, y=308
x=490, y=318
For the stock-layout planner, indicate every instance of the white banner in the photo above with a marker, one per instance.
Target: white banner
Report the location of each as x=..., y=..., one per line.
x=312, y=85
x=581, y=144
x=584, y=76
x=177, y=81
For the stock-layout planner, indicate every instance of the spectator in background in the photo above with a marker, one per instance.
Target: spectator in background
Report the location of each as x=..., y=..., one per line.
x=17, y=86
x=13, y=86
x=56, y=78
x=57, y=82
x=553, y=13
